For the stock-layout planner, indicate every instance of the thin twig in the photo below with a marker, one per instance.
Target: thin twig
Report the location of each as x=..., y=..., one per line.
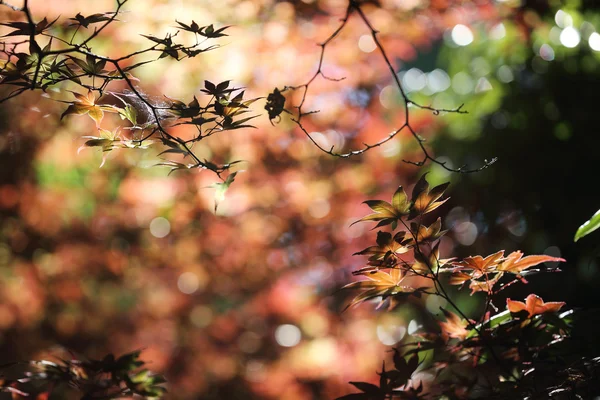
x=355, y=7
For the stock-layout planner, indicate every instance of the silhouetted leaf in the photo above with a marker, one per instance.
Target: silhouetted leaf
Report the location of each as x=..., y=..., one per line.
x=91, y=19
x=24, y=29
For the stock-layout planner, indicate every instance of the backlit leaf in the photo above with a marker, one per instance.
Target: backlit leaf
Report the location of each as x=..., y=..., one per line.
x=425, y=200
x=514, y=264
x=478, y=264
x=382, y=284
x=221, y=188
x=454, y=327
x=534, y=305
x=588, y=226
x=400, y=201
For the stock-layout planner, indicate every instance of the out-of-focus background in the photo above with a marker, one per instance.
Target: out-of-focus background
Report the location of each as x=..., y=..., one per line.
x=244, y=303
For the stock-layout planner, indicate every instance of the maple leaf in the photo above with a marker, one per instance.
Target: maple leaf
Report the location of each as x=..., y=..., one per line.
x=387, y=249
x=514, y=263
x=425, y=200
x=92, y=19
x=477, y=271
x=454, y=327
x=387, y=213
x=479, y=265
x=405, y=368
x=427, y=233
x=8, y=70
x=86, y=104
x=111, y=140
x=382, y=284
x=369, y=392
x=484, y=285
x=222, y=187
x=534, y=305
x=92, y=65
x=24, y=28
x=425, y=264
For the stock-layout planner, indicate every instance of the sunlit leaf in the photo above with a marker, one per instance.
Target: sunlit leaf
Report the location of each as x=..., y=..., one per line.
x=588, y=226
x=400, y=201
x=427, y=233
x=514, y=264
x=458, y=278
x=387, y=249
x=86, y=104
x=425, y=200
x=385, y=212
x=221, y=188
x=533, y=305
x=129, y=113
x=454, y=327
x=484, y=285
x=382, y=284
x=478, y=264
x=427, y=263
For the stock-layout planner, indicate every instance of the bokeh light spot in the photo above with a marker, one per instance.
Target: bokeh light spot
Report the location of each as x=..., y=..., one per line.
x=462, y=35
x=319, y=208
x=505, y=74
x=553, y=251
x=594, y=41
x=413, y=327
x=498, y=32
x=387, y=96
x=391, y=148
x=160, y=227
x=288, y=335
x=188, y=283
x=366, y=43
x=547, y=52
x=414, y=80
x=466, y=233
x=389, y=335
x=438, y=80
x=569, y=37
x=462, y=83
x=563, y=19
x=483, y=85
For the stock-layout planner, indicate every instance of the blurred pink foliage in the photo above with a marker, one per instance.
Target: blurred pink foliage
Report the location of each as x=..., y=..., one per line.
x=126, y=257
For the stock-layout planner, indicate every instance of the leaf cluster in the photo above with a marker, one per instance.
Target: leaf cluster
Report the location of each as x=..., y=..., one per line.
x=109, y=378
x=67, y=58
x=395, y=383
x=514, y=340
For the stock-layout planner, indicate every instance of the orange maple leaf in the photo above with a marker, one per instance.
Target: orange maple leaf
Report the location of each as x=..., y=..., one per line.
x=478, y=264
x=534, y=305
x=515, y=262
x=454, y=327
x=379, y=283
